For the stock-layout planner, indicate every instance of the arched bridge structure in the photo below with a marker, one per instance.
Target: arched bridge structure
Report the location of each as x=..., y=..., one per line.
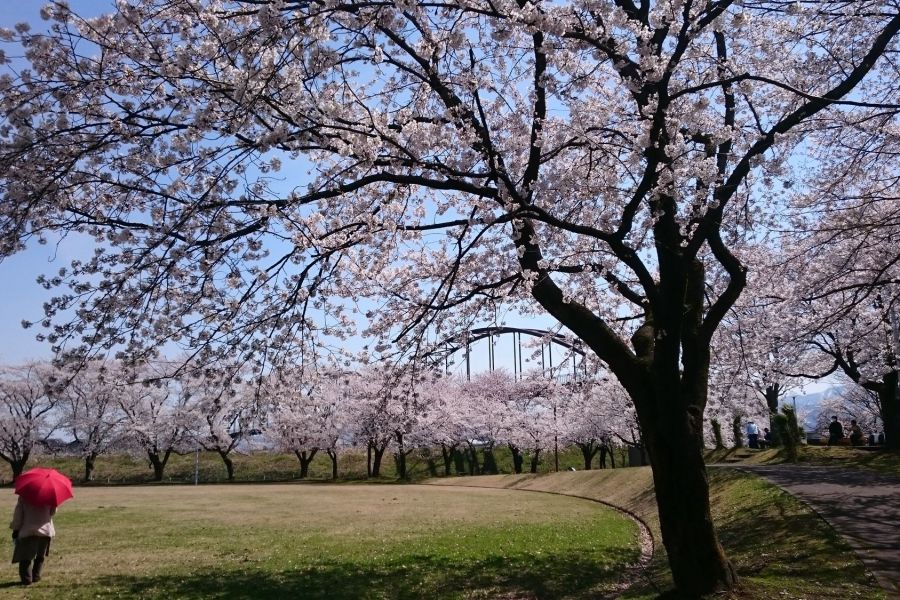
x=570, y=345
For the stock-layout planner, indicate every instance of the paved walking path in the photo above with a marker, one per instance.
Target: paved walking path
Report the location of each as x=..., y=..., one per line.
x=863, y=507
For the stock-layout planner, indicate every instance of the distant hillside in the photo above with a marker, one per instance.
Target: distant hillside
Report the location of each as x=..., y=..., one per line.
x=809, y=405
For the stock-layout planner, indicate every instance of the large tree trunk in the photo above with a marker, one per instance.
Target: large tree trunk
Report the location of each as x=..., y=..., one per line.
x=305, y=457
x=588, y=451
x=489, y=463
x=773, y=393
x=447, y=454
x=890, y=410
x=737, y=432
x=17, y=465
x=535, y=460
x=229, y=466
x=332, y=454
x=698, y=562
x=518, y=459
x=603, y=452
x=377, y=455
x=89, y=466
x=158, y=463
x=667, y=377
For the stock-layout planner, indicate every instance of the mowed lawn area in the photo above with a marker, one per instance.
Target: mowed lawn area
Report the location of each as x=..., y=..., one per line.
x=328, y=541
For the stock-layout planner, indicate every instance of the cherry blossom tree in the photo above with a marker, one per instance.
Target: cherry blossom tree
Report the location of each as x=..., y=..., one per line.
x=223, y=410
x=599, y=159
x=530, y=419
x=369, y=392
x=308, y=415
x=489, y=396
x=90, y=411
x=596, y=415
x=155, y=413
x=446, y=422
x=28, y=395
x=846, y=312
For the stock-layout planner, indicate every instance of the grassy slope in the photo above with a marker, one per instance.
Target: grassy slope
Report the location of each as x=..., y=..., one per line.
x=324, y=541
x=881, y=461
x=779, y=547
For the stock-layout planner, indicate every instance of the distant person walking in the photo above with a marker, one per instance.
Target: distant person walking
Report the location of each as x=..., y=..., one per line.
x=856, y=434
x=40, y=491
x=835, y=431
x=753, y=435
x=32, y=531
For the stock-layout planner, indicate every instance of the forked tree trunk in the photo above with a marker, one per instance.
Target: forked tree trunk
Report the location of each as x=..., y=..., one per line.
x=400, y=456
x=447, y=454
x=667, y=377
x=377, y=455
x=17, y=465
x=588, y=451
x=305, y=457
x=332, y=454
x=489, y=462
x=158, y=463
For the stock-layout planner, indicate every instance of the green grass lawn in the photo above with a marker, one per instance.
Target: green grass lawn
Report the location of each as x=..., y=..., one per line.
x=780, y=548
x=324, y=541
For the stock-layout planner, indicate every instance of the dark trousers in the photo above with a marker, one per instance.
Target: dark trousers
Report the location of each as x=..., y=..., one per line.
x=30, y=552
x=29, y=573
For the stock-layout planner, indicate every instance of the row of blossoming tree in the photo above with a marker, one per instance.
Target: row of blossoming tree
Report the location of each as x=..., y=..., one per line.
x=377, y=410
x=264, y=175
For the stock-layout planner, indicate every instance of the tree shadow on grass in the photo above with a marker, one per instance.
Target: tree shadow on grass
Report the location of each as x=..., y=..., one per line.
x=519, y=578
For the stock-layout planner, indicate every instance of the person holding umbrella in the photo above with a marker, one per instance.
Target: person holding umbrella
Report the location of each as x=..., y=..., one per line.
x=40, y=492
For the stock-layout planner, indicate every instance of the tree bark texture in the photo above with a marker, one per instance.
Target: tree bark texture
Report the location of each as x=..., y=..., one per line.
x=333, y=455
x=889, y=398
x=588, y=451
x=158, y=462
x=305, y=457
x=535, y=460
x=666, y=373
x=229, y=465
x=89, y=466
x=517, y=458
x=377, y=455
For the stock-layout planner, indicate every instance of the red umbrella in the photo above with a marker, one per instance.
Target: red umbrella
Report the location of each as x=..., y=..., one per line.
x=44, y=487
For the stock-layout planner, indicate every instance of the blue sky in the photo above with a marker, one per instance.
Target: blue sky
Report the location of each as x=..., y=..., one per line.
x=20, y=296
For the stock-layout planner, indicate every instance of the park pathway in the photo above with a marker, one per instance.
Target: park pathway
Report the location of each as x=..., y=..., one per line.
x=864, y=507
